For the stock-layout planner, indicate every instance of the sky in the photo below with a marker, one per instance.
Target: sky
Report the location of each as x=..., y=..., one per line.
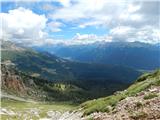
x=72, y=22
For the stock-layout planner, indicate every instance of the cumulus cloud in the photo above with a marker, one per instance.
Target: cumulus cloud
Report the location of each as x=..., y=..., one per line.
x=88, y=39
x=48, y=7
x=108, y=11
x=23, y=25
x=65, y=3
x=125, y=19
x=54, y=26
x=91, y=38
x=80, y=39
x=147, y=34
x=90, y=23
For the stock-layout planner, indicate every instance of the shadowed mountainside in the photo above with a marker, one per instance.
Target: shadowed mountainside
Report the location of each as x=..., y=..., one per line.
x=66, y=80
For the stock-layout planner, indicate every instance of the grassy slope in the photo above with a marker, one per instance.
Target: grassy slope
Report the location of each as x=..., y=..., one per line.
x=24, y=107
x=38, y=89
x=18, y=105
x=142, y=83
x=50, y=67
x=31, y=62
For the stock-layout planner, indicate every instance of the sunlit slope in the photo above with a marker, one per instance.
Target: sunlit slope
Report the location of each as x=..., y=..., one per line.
x=141, y=84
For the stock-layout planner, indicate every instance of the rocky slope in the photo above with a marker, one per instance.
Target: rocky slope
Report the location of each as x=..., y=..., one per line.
x=143, y=106
x=141, y=101
x=17, y=83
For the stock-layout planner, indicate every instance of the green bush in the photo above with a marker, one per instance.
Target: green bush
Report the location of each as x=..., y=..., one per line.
x=139, y=104
x=150, y=96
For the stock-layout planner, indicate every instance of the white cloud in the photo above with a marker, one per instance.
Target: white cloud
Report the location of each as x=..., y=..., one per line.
x=132, y=17
x=65, y=3
x=126, y=20
x=133, y=8
x=67, y=14
x=91, y=23
x=54, y=26
x=48, y=7
x=78, y=36
x=147, y=34
x=87, y=39
x=120, y=30
x=79, y=39
x=82, y=9
x=23, y=25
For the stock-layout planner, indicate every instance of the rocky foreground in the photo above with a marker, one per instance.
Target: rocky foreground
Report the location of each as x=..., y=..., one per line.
x=34, y=113
x=144, y=106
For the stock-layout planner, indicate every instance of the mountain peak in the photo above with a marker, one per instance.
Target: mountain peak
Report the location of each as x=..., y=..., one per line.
x=10, y=46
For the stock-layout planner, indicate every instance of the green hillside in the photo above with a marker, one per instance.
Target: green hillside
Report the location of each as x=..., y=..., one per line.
x=67, y=80
x=50, y=67
x=141, y=84
x=18, y=83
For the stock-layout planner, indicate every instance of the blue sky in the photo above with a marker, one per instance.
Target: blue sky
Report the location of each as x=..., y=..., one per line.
x=80, y=21
x=68, y=30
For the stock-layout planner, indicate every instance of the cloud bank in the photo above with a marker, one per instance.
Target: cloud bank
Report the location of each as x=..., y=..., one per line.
x=127, y=20
x=124, y=20
x=23, y=25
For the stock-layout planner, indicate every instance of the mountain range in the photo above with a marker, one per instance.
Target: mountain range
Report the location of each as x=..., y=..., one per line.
x=72, y=80
x=133, y=54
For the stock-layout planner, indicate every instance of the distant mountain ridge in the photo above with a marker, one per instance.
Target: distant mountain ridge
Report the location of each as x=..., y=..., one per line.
x=51, y=67
x=80, y=81
x=133, y=54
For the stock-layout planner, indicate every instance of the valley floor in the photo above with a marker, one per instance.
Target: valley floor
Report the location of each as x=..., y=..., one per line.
x=18, y=109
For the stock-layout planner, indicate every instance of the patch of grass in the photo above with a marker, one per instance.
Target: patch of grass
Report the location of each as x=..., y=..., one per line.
x=18, y=117
x=18, y=105
x=91, y=118
x=150, y=96
x=136, y=88
x=139, y=104
x=7, y=117
x=138, y=115
x=23, y=108
x=101, y=105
